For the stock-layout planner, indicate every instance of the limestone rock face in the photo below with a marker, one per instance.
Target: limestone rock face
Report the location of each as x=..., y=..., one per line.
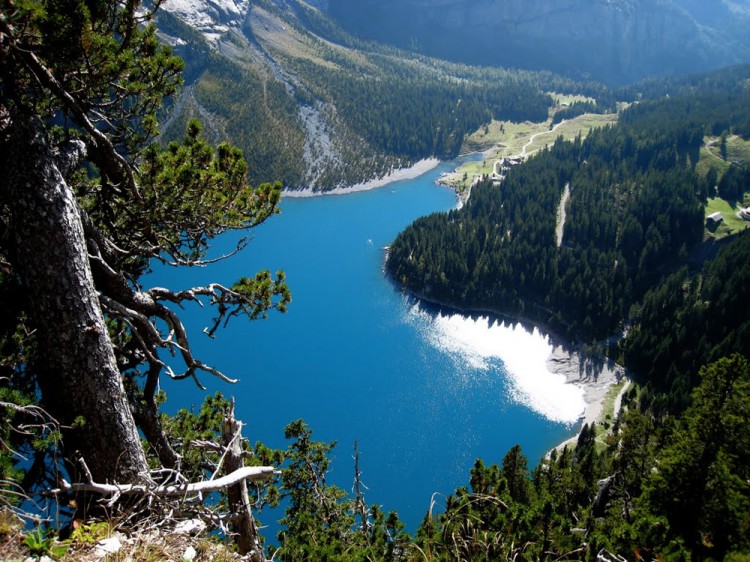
x=612, y=40
x=210, y=17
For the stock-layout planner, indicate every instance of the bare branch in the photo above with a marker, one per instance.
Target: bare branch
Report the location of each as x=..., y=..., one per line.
x=243, y=523
x=45, y=421
x=143, y=304
x=145, y=327
x=35, y=411
x=216, y=448
x=85, y=469
x=209, y=445
x=177, y=261
x=251, y=473
x=10, y=491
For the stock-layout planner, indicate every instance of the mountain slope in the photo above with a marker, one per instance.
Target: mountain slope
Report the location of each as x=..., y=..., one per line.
x=313, y=106
x=616, y=41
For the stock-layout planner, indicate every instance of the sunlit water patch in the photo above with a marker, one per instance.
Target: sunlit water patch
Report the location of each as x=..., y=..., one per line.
x=507, y=349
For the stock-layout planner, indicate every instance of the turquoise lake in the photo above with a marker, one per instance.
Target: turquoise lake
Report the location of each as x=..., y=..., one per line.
x=358, y=360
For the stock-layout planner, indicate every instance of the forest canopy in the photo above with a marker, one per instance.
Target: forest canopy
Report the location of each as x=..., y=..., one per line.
x=636, y=210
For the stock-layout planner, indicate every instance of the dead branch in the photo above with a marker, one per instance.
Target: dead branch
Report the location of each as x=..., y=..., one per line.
x=359, y=497
x=242, y=524
x=251, y=473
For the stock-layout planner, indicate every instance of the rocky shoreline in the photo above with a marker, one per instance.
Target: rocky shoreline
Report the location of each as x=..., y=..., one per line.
x=399, y=174
x=594, y=375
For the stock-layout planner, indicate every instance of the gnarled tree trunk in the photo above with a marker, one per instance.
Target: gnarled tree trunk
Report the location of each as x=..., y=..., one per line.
x=243, y=523
x=78, y=374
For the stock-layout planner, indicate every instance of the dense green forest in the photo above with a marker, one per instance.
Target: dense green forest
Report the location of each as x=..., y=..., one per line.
x=635, y=211
x=690, y=319
x=424, y=116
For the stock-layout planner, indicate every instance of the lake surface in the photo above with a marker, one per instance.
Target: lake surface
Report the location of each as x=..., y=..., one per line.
x=424, y=393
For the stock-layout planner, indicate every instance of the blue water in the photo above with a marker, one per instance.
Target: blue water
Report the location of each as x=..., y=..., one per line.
x=351, y=357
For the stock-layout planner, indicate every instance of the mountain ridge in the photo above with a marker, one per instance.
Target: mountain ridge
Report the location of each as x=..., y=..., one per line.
x=631, y=39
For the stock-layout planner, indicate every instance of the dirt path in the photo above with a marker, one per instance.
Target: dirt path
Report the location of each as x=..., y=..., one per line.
x=620, y=395
x=561, y=214
x=708, y=145
x=524, y=152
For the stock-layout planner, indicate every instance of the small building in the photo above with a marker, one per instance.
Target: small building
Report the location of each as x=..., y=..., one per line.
x=714, y=218
x=744, y=214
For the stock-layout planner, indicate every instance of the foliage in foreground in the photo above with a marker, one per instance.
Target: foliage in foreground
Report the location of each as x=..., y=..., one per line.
x=88, y=199
x=672, y=487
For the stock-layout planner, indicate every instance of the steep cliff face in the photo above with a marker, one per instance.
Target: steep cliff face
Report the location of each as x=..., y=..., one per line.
x=612, y=40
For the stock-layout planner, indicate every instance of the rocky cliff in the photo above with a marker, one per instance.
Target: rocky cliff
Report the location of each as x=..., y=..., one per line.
x=616, y=41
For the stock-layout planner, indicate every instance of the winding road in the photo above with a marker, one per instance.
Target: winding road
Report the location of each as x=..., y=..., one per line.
x=534, y=137
x=524, y=150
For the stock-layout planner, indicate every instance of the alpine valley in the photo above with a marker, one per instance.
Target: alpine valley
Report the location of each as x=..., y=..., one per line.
x=316, y=108
x=607, y=138
x=567, y=257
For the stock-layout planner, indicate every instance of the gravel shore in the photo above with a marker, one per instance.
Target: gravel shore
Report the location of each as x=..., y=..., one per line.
x=595, y=376
x=399, y=174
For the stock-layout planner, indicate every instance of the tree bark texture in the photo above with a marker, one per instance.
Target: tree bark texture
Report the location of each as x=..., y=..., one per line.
x=78, y=375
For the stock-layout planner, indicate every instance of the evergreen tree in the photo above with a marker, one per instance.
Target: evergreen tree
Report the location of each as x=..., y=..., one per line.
x=702, y=480
x=87, y=199
x=515, y=471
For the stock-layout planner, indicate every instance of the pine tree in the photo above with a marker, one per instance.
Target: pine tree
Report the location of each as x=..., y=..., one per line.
x=87, y=199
